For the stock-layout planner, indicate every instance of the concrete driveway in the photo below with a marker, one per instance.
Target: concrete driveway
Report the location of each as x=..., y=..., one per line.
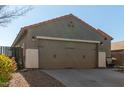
x=88, y=77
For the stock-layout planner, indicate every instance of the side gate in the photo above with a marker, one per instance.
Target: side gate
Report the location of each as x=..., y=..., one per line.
x=16, y=52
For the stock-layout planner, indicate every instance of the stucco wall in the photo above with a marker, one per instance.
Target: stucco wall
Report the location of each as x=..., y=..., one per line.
x=67, y=28
x=119, y=55
x=22, y=43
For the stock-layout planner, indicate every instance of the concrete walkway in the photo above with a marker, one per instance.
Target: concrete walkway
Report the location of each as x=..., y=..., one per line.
x=88, y=77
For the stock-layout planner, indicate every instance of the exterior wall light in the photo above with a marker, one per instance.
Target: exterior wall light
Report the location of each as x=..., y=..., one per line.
x=101, y=43
x=33, y=38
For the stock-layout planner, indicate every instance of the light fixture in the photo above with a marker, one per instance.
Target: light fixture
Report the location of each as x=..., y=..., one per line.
x=101, y=43
x=33, y=38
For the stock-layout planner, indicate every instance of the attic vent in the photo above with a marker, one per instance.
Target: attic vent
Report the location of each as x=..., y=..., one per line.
x=105, y=38
x=70, y=24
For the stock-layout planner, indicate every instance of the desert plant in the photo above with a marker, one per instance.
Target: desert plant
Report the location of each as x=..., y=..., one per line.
x=7, y=66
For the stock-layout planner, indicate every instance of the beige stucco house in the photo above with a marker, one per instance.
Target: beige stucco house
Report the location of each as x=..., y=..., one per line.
x=64, y=42
x=117, y=50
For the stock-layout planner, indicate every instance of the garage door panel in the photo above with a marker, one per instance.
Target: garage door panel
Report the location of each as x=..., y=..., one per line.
x=61, y=54
x=51, y=58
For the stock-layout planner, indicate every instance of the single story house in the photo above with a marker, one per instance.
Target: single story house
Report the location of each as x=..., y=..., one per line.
x=64, y=42
x=117, y=50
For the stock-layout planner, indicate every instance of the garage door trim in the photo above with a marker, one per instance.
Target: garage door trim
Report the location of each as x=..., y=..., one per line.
x=65, y=39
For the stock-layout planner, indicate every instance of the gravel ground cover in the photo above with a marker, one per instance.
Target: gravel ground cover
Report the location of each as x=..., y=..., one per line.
x=33, y=78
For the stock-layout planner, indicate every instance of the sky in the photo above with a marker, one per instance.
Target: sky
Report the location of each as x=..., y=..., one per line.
x=110, y=19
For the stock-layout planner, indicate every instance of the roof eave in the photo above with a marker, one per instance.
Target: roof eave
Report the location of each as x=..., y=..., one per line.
x=96, y=30
x=104, y=34
x=21, y=32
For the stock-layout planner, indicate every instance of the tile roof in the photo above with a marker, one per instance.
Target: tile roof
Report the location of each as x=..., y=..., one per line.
x=103, y=33
x=117, y=45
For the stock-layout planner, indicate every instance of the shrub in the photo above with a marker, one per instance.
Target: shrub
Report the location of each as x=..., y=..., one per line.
x=7, y=66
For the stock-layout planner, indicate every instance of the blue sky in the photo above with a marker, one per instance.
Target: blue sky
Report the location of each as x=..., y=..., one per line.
x=108, y=18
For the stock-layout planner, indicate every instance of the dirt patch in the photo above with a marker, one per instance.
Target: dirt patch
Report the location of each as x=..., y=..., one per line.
x=34, y=78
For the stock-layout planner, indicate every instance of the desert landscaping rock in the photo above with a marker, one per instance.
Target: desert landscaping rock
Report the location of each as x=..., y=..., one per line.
x=18, y=81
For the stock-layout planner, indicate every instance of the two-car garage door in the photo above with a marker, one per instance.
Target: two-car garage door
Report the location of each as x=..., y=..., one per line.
x=62, y=54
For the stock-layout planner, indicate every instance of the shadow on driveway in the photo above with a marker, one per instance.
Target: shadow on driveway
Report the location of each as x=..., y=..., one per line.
x=37, y=78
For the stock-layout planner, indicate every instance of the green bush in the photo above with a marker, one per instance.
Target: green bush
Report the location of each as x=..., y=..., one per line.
x=7, y=66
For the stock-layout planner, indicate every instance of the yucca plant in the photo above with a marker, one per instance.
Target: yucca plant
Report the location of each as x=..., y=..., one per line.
x=7, y=66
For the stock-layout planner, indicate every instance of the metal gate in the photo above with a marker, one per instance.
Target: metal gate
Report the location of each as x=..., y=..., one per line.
x=16, y=52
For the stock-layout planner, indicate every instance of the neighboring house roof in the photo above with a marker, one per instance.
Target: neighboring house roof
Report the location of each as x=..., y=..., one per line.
x=100, y=32
x=117, y=46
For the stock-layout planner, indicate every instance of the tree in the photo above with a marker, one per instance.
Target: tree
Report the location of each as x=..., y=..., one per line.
x=7, y=13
